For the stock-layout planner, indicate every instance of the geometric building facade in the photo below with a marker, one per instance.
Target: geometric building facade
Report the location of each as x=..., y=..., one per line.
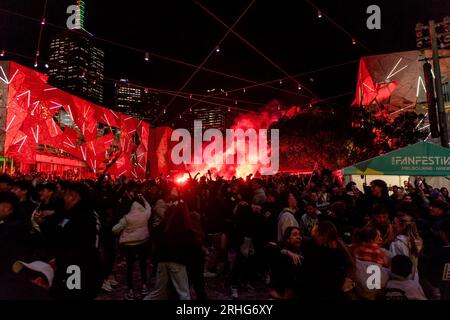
x=396, y=80
x=45, y=129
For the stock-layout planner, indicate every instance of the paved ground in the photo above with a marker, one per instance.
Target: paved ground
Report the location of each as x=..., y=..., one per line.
x=214, y=286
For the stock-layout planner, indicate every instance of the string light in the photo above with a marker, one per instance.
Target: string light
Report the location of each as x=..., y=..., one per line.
x=281, y=81
x=46, y=66
x=229, y=109
x=190, y=109
x=217, y=49
x=279, y=107
x=43, y=21
x=37, y=53
x=299, y=87
x=147, y=56
x=319, y=14
x=226, y=94
x=2, y=54
x=190, y=96
x=244, y=90
x=235, y=102
x=35, y=63
x=164, y=111
x=353, y=41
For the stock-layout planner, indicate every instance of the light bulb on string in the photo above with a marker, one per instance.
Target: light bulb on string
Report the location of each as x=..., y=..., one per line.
x=226, y=94
x=35, y=63
x=299, y=87
x=353, y=41
x=279, y=107
x=281, y=81
x=235, y=101
x=147, y=56
x=229, y=109
x=43, y=21
x=319, y=14
x=190, y=109
x=244, y=90
x=2, y=54
x=46, y=66
x=217, y=49
x=164, y=111
x=37, y=53
x=190, y=96
x=180, y=116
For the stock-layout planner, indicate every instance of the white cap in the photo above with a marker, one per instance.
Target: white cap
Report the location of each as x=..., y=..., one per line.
x=38, y=266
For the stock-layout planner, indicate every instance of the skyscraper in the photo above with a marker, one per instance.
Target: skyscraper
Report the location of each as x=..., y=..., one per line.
x=77, y=65
x=212, y=117
x=136, y=101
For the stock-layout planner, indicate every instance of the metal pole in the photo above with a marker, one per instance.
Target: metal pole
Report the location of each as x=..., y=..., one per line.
x=438, y=86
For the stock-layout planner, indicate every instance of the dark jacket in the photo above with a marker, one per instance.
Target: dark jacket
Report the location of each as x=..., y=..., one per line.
x=77, y=237
x=323, y=274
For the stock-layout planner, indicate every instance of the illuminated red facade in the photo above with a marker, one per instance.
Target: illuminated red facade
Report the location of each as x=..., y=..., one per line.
x=48, y=130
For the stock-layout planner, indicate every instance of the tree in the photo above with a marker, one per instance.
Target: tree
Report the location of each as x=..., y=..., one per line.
x=337, y=138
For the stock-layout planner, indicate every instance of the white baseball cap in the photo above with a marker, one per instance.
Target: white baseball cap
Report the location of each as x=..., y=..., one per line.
x=38, y=266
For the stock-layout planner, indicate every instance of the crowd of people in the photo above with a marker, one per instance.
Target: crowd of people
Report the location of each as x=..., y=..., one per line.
x=304, y=237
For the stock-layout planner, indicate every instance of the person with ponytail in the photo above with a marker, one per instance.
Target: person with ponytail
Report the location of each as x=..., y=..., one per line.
x=407, y=241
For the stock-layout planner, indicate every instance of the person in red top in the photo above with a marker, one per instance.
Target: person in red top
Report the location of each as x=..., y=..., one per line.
x=368, y=246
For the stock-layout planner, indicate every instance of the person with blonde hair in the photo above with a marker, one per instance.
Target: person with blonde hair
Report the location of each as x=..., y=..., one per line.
x=407, y=241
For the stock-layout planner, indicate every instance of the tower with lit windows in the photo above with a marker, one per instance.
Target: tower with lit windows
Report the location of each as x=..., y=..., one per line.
x=76, y=63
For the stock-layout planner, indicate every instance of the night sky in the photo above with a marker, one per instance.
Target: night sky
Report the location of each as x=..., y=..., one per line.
x=287, y=31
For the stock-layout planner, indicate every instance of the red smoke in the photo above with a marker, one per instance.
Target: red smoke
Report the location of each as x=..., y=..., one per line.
x=257, y=121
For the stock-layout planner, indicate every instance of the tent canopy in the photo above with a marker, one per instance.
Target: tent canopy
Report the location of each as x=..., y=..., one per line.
x=420, y=159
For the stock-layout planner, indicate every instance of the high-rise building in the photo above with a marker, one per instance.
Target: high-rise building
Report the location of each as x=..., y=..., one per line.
x=212, y=117
x=77, y=65
x=136, y=101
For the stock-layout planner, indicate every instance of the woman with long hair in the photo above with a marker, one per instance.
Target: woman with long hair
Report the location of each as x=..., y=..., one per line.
x=327, y=265
x=407, y=241
x=286, y=265
x=174, y=248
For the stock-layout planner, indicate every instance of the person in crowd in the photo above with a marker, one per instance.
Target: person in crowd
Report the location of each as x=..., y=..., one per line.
x=134, y=237
x=13, y=233
x=379, y=194
x=309, y=219
x=286, y=218
x=407, y=241
x=77, y=244
x=400, y=286
x=327, y=263
x=259, y=195
x=24, y=209
x=286, y=261
x=174, y=246
x=5, y=182
x=367, y=251
x=445, y=194
x=380, y=220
